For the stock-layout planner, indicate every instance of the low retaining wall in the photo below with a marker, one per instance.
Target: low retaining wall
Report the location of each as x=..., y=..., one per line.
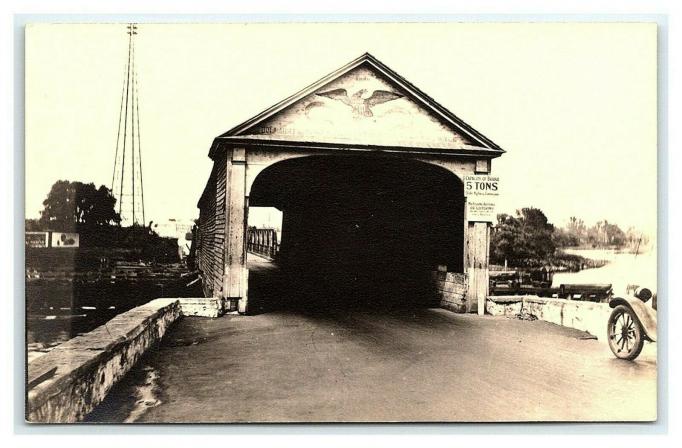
x=201, y=306
x=67, y=383
x=585, y=316
x=451, y=290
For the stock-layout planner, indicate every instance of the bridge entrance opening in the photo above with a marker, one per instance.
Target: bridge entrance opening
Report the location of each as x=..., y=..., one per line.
x=356, y=231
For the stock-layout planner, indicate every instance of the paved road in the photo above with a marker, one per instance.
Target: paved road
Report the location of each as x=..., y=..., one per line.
x=401, y=365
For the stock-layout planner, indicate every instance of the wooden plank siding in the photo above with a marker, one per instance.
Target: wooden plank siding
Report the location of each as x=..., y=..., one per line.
x=211, y=234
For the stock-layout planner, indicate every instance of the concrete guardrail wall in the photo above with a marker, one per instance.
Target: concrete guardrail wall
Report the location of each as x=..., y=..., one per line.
x=586, y=316
x=67, y=383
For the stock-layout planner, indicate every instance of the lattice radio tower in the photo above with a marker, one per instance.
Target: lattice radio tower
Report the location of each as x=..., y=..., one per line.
x=126, y=181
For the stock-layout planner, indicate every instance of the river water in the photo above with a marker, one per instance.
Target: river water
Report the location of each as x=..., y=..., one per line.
x=622, y=269
x=58, y=311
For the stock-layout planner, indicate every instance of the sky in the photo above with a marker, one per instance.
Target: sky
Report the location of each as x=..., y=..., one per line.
x=574, y=105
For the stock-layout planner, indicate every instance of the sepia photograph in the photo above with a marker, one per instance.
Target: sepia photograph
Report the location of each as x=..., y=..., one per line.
x=390, y=222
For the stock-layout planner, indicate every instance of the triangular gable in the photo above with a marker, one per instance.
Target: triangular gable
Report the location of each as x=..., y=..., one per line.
x=363, y=103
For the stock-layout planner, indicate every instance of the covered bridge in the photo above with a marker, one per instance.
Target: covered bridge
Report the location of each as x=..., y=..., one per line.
x=368, y=172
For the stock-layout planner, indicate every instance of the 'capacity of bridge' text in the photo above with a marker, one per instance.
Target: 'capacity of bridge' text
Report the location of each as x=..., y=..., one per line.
x=481, y=185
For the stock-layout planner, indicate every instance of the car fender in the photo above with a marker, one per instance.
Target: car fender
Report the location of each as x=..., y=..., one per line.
x=646, y=315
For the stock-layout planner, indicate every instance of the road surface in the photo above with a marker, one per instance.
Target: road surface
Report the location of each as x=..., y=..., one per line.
x=381, y=366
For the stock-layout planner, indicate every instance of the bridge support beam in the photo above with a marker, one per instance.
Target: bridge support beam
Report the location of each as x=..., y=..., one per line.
x=235, y=279
x=478, y=244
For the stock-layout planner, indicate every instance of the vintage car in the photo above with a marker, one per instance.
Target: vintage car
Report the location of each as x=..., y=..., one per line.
x=631, y=323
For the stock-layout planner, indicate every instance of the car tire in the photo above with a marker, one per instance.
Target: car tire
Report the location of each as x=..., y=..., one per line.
x=624, y=333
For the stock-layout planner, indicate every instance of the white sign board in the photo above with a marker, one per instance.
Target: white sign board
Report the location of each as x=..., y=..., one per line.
x=481, y=192
x=61, y=239
x=37, y=239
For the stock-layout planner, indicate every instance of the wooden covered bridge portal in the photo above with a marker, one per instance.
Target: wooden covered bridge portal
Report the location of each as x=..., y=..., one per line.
x=367, y=171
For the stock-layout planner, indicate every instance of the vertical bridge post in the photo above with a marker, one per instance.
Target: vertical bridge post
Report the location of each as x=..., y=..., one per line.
x=478, y=244
x=235, y=277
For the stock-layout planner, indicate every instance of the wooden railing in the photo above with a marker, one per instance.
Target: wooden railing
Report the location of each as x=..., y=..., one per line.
x=263, y=242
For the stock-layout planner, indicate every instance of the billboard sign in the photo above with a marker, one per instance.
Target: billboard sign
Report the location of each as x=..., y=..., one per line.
x=37, y=239
x=64, y=239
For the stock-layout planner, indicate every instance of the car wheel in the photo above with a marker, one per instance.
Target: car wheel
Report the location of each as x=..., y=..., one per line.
x=625, y=333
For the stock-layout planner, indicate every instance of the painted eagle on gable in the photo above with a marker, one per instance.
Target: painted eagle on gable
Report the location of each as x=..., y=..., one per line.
x=362, y=107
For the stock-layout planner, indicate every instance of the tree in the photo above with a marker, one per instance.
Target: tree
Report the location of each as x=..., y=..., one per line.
x=614, y=235
x=32, y=225
x=636, y=238
x=577, y=229
x=504, y=240
x=565, y=238
x=72, y=206
x=538, y=234
x=524, y=239
x=603, y=233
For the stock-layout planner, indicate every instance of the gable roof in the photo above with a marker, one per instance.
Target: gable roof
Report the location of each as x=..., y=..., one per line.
x=480, y=142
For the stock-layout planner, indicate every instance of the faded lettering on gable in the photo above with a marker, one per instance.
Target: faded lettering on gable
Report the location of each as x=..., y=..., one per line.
x=360, y=108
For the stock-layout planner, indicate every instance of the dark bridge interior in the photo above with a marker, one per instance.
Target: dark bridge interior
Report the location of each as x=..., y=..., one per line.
x=359, y=231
